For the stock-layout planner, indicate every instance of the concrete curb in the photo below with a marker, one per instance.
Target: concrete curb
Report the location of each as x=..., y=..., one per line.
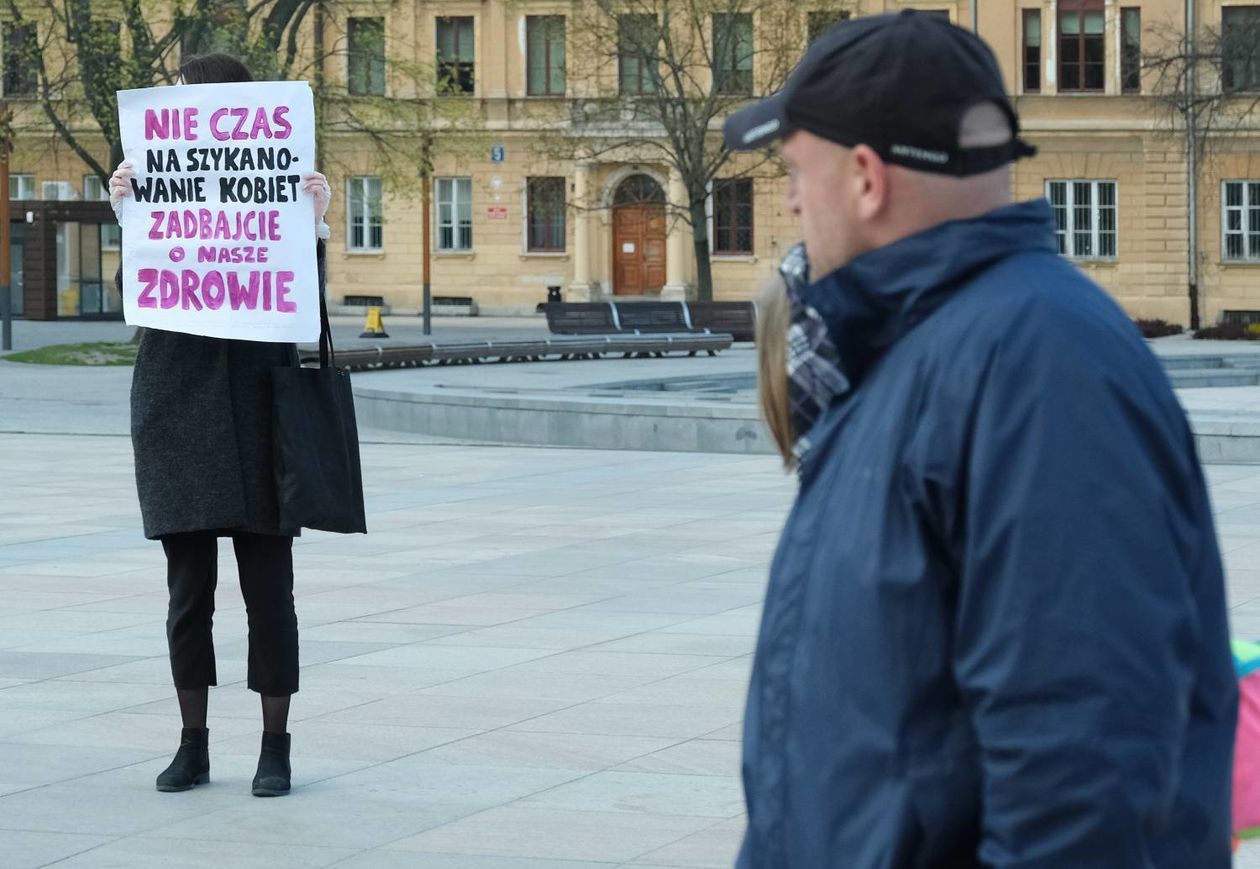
x=553, y=419
x=597, y=418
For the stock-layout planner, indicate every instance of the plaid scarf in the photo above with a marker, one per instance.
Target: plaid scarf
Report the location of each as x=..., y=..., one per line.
x=814, y=375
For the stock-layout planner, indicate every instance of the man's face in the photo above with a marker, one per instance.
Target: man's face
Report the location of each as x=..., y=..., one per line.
x=822, y=193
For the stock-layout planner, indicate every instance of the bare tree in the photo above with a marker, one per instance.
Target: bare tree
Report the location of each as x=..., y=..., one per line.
x=1208, y=83
x=85, y=52
x=1207, y=89
x=89, y=49
x=661, y=75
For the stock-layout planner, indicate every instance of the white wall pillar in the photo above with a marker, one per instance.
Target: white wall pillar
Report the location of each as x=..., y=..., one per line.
x=580, y=289
x=677, y=240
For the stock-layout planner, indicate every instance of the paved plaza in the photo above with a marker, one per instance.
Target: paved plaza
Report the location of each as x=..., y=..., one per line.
x=536, y=660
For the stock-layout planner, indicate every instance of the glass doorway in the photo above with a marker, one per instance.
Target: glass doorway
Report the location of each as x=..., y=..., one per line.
x=17, y=247
x=81, y=288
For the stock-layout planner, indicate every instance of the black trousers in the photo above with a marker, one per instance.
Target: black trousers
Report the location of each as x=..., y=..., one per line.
x=265, y=564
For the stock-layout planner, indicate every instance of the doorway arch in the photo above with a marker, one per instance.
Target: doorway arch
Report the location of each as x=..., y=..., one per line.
x=639, y=236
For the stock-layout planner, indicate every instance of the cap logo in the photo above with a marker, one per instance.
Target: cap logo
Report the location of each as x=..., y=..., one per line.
x=761, y=130
x=920, y=154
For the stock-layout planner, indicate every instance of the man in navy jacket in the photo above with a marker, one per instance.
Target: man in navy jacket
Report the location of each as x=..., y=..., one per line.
x=995, y=630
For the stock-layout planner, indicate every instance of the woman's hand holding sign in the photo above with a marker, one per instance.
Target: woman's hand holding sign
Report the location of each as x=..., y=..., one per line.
x=120, y=185
x=317, y=185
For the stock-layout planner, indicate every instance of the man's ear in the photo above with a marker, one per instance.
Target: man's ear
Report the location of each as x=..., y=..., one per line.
x=869, y=177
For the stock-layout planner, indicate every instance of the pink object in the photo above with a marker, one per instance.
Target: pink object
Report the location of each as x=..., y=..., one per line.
x=1247, y=757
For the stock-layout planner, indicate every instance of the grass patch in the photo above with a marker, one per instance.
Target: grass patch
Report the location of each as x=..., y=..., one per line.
x=102, y=353
x=1230, y=332
x=1158, y=328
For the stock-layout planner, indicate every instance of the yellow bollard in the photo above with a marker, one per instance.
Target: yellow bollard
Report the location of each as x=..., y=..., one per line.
x=373, y=327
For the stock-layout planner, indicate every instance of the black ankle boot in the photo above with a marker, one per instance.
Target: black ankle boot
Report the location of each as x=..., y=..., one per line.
x=191, y=765
x=274, y=771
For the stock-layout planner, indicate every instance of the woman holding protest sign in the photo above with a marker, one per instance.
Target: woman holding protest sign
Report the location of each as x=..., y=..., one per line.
x=202, y=434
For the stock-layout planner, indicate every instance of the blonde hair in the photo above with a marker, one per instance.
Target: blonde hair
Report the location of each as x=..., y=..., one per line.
x=773, y=319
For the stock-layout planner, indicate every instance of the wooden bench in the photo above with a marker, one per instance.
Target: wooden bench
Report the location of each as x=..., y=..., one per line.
x=582, y=318
x=737, y=319
x=653, y=317
x=534, y=350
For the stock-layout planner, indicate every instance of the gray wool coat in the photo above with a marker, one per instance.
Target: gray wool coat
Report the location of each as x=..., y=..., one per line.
x=201, y=430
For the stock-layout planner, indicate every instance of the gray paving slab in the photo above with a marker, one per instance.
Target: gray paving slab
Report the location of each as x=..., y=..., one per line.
x=538, y=663
x=156, y=852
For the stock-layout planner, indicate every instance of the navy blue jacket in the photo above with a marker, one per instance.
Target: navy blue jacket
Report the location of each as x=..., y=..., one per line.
x=995, y=630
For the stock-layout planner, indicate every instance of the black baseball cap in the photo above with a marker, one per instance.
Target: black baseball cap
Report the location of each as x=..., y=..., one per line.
x=900, y=83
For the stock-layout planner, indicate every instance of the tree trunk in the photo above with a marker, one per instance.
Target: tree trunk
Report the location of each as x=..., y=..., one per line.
x=700, y=240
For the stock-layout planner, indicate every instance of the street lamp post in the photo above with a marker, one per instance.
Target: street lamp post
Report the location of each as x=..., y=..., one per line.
x=6, y=297
x=426, y=204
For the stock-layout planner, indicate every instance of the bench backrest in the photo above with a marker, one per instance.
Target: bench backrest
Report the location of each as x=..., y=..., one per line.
x=737, y=319
x=653, y=316
x=582, y=318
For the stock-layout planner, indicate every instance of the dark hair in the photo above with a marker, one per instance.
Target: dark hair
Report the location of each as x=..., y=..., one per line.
x=213, y=69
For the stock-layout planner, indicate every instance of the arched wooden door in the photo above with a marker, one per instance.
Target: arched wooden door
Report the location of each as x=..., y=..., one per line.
x=638, y=237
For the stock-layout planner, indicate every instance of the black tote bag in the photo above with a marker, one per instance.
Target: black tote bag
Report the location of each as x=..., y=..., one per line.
x=319, y=479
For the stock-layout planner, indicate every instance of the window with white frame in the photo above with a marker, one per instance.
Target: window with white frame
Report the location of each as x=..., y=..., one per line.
x=454, y=214
x=57, y=191
x=95, y=191
x=21, y=186
x=365, y=231
x=1241, y=226
x=1084, y=218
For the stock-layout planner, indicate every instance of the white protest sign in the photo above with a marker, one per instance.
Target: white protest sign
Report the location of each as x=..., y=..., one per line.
x=218, y=238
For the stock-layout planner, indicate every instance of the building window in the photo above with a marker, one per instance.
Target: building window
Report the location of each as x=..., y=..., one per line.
x=638, y=54
x=454, y=220
x=1240, y=48
x=1241, y=241
x=1032, y=51
x=545, y=207
x=456, y=52
x=1082, y=46
x=57, y=191
x=733, y=217
x=1131, y=50
x=20, y=48
x=95, y=191
x=544, y=53
x=367, y=57
x=820, y=21
x=1084, y=218
x=363, y=206
x=21, y=187
x=733, y=53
